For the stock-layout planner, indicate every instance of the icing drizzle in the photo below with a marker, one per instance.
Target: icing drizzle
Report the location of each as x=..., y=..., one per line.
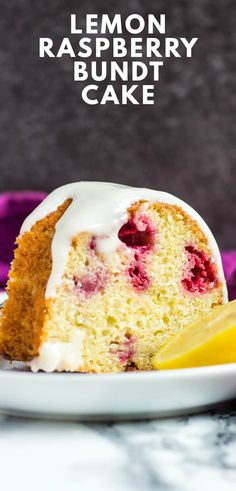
x=100, y=209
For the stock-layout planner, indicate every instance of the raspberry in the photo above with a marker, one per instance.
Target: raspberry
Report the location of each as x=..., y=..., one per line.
x=137, y=233
x=89, y=284
x=126, y=351
x=138, y=276
x=201, y=275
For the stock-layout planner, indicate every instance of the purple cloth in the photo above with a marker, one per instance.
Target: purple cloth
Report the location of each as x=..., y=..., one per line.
x=15, y=206
x=229, y=264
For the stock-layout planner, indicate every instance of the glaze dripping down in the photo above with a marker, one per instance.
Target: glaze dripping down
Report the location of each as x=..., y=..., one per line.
x=100, y=209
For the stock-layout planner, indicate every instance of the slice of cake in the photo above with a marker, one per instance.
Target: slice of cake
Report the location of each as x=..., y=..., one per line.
x=103, y=275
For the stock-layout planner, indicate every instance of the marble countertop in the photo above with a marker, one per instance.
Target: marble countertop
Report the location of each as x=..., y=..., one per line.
x=188, y=453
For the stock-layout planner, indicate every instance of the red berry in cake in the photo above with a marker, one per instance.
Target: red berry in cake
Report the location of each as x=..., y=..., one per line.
x=200, y=275
x=138, y=276
x=138, y=232
x=92, y=244
x=139, y=235
x=89, y=284
x=125, y=351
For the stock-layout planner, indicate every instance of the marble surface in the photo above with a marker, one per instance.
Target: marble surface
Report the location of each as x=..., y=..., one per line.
x=188, y=453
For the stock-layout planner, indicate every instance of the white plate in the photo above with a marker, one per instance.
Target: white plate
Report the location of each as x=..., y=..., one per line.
x=112, y=396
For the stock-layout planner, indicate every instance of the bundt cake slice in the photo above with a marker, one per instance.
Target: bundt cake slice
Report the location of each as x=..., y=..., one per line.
x=103, y=275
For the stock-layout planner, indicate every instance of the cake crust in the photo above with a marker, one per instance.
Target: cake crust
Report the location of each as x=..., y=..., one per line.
x=25, y=310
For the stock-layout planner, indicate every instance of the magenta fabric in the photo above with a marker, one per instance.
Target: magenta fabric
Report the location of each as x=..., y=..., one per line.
x=229, y=264
x=15, y=206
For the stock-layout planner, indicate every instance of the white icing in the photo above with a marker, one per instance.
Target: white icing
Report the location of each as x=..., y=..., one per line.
x=101, y=209
x=60, y=356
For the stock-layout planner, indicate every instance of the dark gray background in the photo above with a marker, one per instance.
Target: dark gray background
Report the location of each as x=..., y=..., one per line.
x=185, y=144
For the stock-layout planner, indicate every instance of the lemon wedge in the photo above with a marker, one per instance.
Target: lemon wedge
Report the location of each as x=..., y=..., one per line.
x=211, y=340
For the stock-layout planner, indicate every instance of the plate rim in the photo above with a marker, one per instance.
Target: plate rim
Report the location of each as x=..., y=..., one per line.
x=120, y=383
x=203, y=372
